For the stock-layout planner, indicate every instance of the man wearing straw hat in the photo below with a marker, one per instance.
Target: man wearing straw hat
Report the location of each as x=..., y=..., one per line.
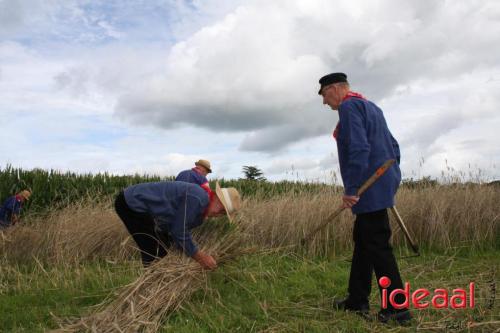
x=172, y=209
x=11, y=209
x=197, y=175
x=364, y=143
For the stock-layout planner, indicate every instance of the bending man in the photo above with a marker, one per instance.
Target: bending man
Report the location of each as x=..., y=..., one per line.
x=167, y=211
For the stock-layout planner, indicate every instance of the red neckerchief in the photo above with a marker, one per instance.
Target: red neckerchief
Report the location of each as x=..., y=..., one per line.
x=19, y=198
x=346, y=97
x=211, y=195
x=352, y=94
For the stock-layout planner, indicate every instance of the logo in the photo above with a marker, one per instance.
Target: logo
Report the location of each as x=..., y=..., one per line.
x=422, y=298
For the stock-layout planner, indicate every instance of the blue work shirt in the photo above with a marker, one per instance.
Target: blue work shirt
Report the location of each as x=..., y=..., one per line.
x=177, y=207
x=191, y=176
x=364, y=143
x=11, y=206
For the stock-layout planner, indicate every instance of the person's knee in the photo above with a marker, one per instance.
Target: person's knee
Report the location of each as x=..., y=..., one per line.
x=374, y=242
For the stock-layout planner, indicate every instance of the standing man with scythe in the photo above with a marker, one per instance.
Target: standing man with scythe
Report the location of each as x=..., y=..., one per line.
x=364, y=143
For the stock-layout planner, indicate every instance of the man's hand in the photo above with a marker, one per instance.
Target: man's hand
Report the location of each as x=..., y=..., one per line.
x=349, y=200
x=206, y=261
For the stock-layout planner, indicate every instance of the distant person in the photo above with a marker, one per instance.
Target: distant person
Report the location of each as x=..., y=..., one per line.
x=364, y=143
x=10, y=212
x=159, y=214
x=197, y=175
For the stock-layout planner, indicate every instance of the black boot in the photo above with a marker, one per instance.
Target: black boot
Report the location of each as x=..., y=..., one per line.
x=402, y=317
x=362, y=309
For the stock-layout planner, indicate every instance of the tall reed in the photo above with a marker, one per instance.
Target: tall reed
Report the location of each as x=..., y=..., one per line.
x=81, y=231
x=439, y=217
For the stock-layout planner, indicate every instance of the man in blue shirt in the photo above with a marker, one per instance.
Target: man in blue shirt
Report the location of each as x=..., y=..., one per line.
x=364, y=143
x=11, y=209
x=157, y=214
x=197, y=175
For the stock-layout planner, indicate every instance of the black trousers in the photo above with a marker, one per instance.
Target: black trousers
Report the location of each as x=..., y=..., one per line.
x=142, y=228
x=372, y=252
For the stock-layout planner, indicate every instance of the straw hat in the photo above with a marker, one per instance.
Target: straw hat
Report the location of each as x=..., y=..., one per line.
x=204, y=163
x=25, y=194
x=230, y=199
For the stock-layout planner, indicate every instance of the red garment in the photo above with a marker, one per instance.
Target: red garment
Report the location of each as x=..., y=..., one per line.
x=204, y=186
x=353, y=94
x=211, y=196
x=207, y=189
x=346, y=97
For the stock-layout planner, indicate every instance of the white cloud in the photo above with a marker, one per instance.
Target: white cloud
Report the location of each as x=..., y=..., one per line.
x=256, y=69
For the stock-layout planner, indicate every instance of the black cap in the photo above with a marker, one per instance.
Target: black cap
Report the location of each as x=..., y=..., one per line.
x=330, y=79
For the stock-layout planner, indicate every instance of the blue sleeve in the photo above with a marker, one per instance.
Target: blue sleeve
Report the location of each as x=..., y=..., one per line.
x=182, y=177
x=354, y=136
x=190, y=176
x=12, y=205
x=179, y=225
x=395, y=146
x=203, y=180
x=17, y=208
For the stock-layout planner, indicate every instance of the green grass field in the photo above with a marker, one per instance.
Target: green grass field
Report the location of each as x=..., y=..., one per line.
x=265, y=292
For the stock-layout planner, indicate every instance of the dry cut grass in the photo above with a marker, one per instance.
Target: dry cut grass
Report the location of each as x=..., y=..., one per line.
x=141, y=306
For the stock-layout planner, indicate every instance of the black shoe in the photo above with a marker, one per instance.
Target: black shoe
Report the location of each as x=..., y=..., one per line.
x=402, y=317
x=362, y=309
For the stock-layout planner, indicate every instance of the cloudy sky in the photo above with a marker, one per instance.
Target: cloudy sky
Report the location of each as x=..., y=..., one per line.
x=150, y=86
